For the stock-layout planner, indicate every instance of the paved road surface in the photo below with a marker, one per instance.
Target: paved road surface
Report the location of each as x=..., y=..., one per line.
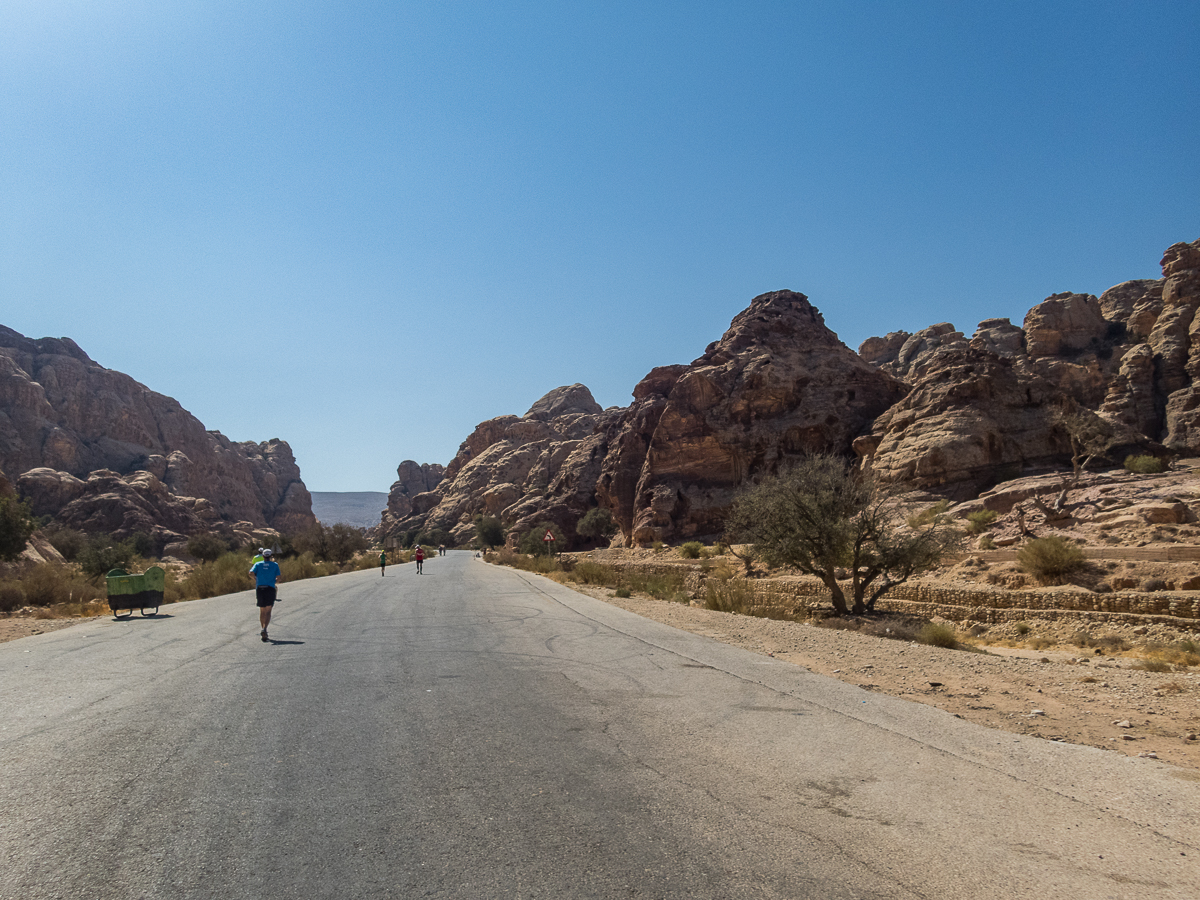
x=477, y=732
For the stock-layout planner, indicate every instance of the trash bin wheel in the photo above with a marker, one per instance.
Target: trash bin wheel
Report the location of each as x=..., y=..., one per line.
x=153, y=612
x=117, y=614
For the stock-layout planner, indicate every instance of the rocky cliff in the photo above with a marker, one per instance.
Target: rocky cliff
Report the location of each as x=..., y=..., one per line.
x=778, y=384
x=995, y=404
x=934, y=409
x=99, y=451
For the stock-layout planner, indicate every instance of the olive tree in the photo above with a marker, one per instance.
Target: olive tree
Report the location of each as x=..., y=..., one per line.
x=820, y=516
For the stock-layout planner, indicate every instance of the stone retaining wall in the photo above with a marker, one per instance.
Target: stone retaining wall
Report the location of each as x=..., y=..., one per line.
x=793, y=595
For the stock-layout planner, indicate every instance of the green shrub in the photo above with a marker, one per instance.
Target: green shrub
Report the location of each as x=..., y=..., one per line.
x=691, y=550
x=623, y=592
x=208, y=547
x=1022, y=628
x=980, y=520
x=1144, y=465
x=532, y=543
x=16, y=526
x=102, y=554
x=1051, y=560
x=67, y=541
x=597, y=524
x=489, y=532
x=11, y=597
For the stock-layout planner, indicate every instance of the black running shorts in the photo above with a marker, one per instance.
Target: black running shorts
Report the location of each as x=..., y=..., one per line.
x=265, y=594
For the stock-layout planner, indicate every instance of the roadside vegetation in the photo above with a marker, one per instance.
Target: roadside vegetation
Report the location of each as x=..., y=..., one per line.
x=77, y=587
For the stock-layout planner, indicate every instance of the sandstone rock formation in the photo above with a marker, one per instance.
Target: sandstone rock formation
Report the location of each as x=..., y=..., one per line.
x=778, y=384
x=933, y=409
x=1130, y=355
x=505, y=462
x=112, y=455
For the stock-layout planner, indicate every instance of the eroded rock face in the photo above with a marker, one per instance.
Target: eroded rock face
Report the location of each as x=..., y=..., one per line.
x=777, y=385
x=61, y=412
x=970, y=413
x=1131, y=355
x=507, y=467
x=932, y=408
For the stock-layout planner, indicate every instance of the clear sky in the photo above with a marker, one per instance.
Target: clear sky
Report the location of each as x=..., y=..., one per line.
x=364, y=227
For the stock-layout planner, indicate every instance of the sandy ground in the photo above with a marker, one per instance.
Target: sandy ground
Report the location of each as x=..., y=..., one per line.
x=1058, y=694
x=13, y=627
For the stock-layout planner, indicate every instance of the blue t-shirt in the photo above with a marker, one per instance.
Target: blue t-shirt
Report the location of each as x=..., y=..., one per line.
x=265, y=573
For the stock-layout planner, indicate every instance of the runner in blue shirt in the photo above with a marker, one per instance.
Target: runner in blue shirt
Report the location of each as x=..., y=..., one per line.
x=265, y=573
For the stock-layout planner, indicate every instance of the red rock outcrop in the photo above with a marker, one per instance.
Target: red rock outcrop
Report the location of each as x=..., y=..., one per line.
x=64, y=417
x=508, y=467
x=1130, y=355
x=934, y=409
x=779, y=384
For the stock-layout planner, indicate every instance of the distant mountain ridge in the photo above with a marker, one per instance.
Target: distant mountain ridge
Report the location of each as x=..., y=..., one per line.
x=358, y=508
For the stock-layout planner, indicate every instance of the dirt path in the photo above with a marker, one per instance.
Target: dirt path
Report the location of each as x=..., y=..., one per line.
x=13, y=627
x=1051, y=694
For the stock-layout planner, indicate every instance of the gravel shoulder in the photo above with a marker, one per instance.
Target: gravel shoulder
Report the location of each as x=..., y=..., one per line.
x=14, y=627
x=1050, y=694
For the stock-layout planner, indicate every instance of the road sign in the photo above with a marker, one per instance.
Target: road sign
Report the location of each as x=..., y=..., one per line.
x=549, y=538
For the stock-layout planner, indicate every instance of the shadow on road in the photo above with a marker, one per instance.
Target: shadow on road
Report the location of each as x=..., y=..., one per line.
x=282, y=643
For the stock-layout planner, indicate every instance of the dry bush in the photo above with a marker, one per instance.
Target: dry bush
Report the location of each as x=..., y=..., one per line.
x=1149, y=585
x=542, y=565
x=691, y=550
x=728, y=595
x=938, y=635
x=586, y=571
x=1181, y=653
x=48, y=585
x=1051, y=560
x=979, y=521
x=1153, y=665
x=11, y=597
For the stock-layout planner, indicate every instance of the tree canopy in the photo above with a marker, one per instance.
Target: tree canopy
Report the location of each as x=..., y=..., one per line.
x=16, y=525
x=820, y=516
x=489, y=532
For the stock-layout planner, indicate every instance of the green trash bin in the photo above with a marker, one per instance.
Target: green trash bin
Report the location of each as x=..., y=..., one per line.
x=129, y=592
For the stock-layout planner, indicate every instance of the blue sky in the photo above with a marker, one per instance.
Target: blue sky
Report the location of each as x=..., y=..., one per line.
x=364, y=227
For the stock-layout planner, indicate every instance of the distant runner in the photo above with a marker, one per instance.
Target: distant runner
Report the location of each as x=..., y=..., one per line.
x=420, y=557
x=265, y=573
x=382, y=562
x=441, y=549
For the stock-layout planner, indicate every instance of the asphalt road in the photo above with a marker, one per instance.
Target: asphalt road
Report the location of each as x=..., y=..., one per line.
x=477, y=732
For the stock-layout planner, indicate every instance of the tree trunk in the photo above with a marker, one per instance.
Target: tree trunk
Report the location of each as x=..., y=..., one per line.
x=835, y=592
